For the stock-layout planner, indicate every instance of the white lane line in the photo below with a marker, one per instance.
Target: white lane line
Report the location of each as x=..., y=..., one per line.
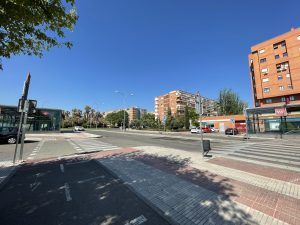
x=89, y=179
x=67, y=192
x=72, y=163
x=139, y=220
x=62, y=168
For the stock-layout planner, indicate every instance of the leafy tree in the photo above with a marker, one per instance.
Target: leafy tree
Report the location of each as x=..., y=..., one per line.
x=30, y=27
x=186, y=118
x=229, y=103
x=169, y=119
x=116, y=118
x=148, y=120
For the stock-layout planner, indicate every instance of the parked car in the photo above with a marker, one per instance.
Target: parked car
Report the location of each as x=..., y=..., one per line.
x=78, y=128
x=195, y=130
x=206, y=130
x=231, y=131
x=214, y=130
x=9, y=134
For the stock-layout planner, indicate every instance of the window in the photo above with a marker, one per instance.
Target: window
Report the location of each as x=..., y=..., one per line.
x=257, y=104
x=265, y=70
x=275, y=46
x=281, y=88
x=288, y=76
x=268, y=100
x=283, y=44
x=283, y=99
x=266, y=90
x=298, y=38
x=263, y=50
x=277, y=57
x=282, y=67
x=292, y=98
x=263, y=60
x=265, y=80
x=290, y=86
x=285, y=54
x=279, y=77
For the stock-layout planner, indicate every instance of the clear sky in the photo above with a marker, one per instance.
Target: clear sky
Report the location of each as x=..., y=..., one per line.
x=150, y=47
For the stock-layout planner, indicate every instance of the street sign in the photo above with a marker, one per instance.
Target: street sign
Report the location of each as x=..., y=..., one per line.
x=280, y=112
x=232, y=120
x=198, y=104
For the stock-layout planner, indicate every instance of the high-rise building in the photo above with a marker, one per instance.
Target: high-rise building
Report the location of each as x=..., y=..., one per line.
x=135, y=113
x=177, y=100
x=275, y=76
x=275, y=70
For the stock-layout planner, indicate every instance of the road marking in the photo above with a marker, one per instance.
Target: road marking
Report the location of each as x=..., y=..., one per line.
x=62, y=169
x=67, y=192
x=79, y=162
x=136, y=221
x=89, y=179
x=35, y=185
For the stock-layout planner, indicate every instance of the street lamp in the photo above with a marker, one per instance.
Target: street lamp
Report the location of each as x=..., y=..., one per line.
x=124, y=95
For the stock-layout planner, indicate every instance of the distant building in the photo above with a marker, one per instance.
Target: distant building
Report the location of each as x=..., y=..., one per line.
x=43, y=120
x=177, y=100
x=135, y=113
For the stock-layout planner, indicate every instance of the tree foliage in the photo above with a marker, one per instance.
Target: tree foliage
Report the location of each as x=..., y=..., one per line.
x=117, y=118
x=31, y=26
x=229, y=103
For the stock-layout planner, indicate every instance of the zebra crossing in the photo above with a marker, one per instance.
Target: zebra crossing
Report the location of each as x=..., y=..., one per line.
x=281, y=153
x=90, y=145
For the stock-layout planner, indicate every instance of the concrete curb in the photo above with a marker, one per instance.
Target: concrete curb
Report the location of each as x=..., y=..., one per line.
x=148, y=203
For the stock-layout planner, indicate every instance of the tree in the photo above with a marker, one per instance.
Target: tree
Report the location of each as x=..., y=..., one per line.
x=229, y=103
x=116, y=118
x=30, y=27
x=186, y=118
x=148, y=120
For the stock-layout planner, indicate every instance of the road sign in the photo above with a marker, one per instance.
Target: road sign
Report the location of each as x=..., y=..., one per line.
x=198, y=104
x=280, y=111
x=232, y=120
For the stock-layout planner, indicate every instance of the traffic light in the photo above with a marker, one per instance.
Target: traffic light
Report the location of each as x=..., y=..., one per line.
x=32, y=106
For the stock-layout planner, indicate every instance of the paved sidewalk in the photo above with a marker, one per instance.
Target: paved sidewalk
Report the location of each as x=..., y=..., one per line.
x=6, y=169
x=183, y=201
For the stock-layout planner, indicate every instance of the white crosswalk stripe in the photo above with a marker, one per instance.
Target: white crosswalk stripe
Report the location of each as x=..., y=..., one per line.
x=280, y=153
x=91, y=145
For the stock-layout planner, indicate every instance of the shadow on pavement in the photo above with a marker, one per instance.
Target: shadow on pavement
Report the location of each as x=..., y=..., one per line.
x=70, y=191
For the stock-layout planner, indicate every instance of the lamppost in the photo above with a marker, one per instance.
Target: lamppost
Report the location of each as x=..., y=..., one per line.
x=124, y=95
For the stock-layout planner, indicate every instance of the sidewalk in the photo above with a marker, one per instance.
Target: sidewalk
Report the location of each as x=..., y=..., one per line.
x=62, y=135
x=190, y=190
x=7, y=168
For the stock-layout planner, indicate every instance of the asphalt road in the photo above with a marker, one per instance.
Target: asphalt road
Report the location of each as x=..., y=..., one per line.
x=71, y=192
x=133, y=140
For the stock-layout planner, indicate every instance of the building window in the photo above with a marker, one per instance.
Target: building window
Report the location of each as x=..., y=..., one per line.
x=265, y=80
x=277, y=56
x=268, y=100
x=288, y=76
x=282, y=67
x=263, y=60
x=283, y=44
x=265, y=70
x=281, y=88
x=279, y=77
x=292, y=98
x=290, y=86
x=266, y=90
x=283, y=99
x=298, y=38
x=285, y=54
x=257, y=104
x=275, y=46
x=263, y=50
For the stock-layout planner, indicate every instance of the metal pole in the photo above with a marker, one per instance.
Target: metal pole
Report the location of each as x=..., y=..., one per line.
x=200, y=118
x=23, y=130
x=18, y=137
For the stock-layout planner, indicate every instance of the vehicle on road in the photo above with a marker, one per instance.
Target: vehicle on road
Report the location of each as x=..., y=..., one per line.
x=231, y=131
x=78, y=128
x=206, y=130
x=9, y=134
x=195, y=130
x=214, y=130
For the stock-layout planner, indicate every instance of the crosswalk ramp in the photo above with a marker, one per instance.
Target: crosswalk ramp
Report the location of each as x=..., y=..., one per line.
x=281, y=153
x=91, y=145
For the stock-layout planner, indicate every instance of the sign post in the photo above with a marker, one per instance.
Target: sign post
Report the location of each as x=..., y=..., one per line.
x=199, y=112
x=21, y=110
x=282, y=113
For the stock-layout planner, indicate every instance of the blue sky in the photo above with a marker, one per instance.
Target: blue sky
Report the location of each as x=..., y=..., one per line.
x=149, y=47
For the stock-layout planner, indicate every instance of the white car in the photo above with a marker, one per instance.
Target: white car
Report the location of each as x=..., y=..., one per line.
x=214, y=129
x=78, y=128
x=195, y=131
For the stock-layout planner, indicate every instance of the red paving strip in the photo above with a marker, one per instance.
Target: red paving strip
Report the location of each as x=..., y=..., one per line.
x=266, y=171
x=277, y=205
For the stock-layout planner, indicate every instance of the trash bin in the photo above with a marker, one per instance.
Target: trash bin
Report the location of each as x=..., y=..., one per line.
x=206, y=146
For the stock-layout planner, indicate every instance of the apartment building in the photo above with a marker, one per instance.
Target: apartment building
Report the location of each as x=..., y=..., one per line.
x=275, y=70
x=135, y=113
x=177, y=100
x=275, y=77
